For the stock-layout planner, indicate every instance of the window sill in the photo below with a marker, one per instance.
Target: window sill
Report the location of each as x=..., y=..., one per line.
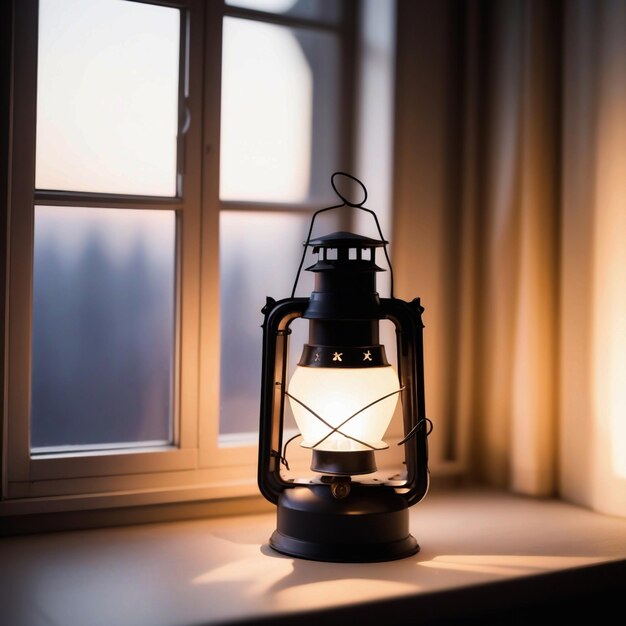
x=484, y=555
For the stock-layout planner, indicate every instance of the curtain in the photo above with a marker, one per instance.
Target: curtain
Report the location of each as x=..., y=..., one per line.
x=517, y=166
x=521, y=205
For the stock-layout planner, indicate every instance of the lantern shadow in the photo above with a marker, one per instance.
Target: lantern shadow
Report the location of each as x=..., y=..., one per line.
x=423, y=572
x=396, y=575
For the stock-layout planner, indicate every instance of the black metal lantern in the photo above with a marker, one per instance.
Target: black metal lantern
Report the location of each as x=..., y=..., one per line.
x=343, y=395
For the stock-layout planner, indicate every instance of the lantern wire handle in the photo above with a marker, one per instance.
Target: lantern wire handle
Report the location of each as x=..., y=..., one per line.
x=283, y=457
x=337, y=429
x=423, y=422
x=333, y=429
x=354, y=205
x=413, y=431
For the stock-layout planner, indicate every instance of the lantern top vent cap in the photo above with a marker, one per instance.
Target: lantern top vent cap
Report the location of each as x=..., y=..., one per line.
x=345, y=239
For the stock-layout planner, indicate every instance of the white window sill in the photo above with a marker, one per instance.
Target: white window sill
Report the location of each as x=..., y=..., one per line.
x=482, y=552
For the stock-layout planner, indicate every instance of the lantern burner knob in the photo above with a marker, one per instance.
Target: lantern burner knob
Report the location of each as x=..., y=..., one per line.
x=339, y=486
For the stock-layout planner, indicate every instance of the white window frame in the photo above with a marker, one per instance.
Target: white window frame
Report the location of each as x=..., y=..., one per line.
x=196, y=467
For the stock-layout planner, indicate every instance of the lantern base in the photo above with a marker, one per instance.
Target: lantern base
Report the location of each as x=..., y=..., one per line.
x=370, y=524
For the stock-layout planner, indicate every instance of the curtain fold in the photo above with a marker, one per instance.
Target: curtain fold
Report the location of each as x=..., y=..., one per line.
x=534, y=365
x=517, y=283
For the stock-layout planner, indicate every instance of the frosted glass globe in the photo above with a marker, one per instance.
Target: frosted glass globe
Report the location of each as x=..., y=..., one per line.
x=336, y=394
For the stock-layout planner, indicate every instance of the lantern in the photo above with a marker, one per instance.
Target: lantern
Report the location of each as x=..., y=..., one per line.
x=343, y=395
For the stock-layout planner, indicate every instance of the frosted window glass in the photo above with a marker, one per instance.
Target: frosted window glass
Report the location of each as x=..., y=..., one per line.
x=103, y=327
x=259, y=256
x=280, y=113
x=107, y=97
x=325, y=10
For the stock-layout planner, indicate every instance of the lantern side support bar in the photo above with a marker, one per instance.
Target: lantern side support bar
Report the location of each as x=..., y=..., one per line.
x=278, y=317
x=406, y=317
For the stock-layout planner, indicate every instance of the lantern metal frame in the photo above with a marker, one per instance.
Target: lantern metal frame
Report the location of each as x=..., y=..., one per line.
x=340, y=518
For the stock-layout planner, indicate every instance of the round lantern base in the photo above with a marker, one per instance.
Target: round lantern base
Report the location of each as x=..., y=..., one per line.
x=370, y=524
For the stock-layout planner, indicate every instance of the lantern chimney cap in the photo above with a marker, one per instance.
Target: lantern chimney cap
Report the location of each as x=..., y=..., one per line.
x=345, y=239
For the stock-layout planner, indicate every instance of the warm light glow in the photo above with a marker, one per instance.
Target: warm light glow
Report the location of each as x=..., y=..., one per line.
x=610, y=364
x=336, y=394
x=609, y=293
x=284, y=587
x=506, y=565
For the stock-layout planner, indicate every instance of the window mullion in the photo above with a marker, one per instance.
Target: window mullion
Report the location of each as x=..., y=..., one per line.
x=284, y=207
x=281, y=19
x=209, y=353
x=106, y=201
x=190, y=220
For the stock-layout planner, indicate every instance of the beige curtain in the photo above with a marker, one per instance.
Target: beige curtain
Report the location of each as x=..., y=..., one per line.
x=519, y=200
x=517, y=283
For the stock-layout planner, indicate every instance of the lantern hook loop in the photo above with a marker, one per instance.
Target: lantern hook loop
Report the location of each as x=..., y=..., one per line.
x=354, y=205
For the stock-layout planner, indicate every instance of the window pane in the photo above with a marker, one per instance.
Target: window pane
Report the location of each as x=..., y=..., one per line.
x=324, y=10
x=107, y=97
x=280, y=113
x=103, y=327
x=255, y=263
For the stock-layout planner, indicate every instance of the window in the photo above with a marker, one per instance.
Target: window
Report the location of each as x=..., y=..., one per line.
x=160, y=150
